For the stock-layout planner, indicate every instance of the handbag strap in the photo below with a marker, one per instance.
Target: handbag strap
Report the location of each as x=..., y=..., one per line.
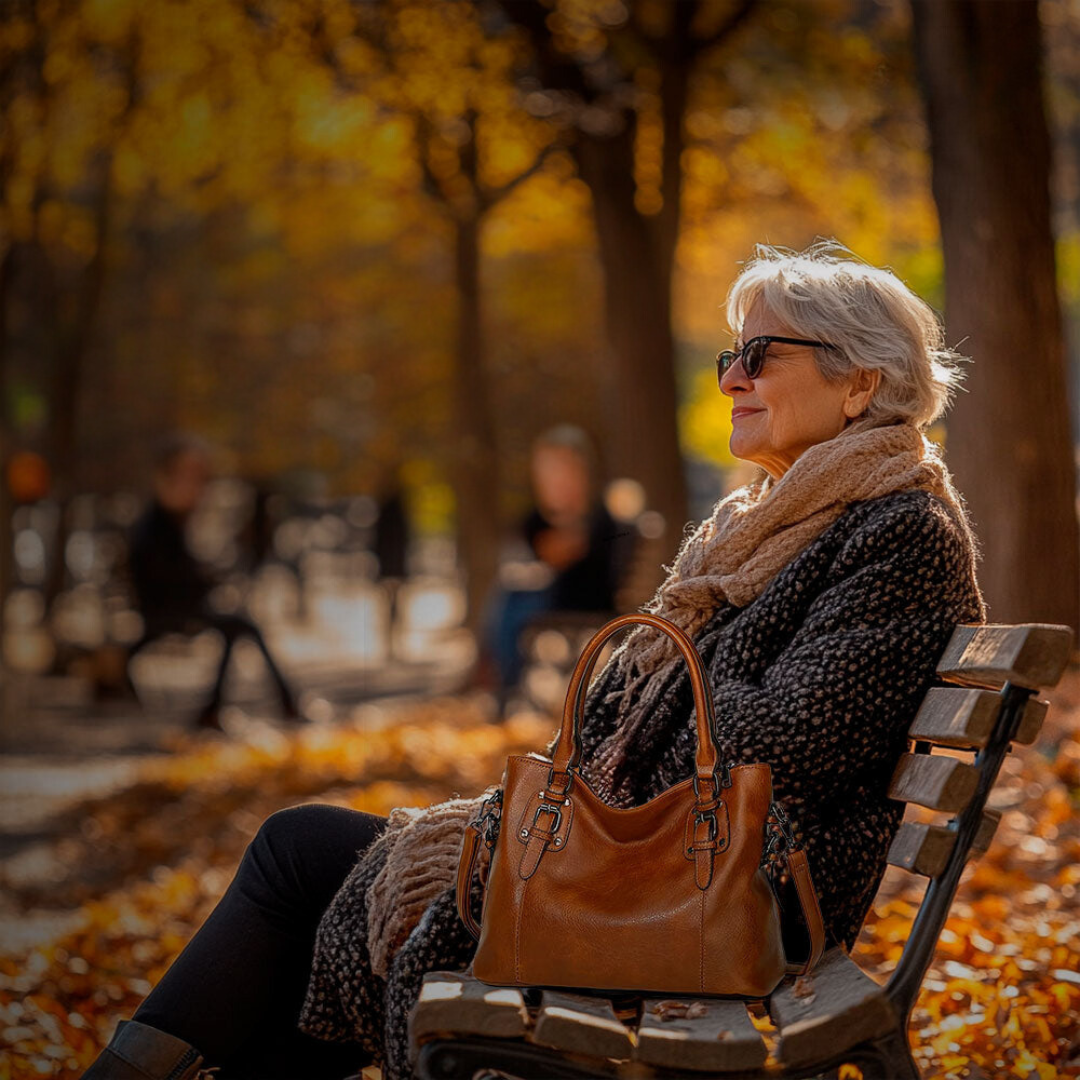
x=470, y=849
x=568, y=750
x=799, y=869
x=483, y=830
x=796, y=862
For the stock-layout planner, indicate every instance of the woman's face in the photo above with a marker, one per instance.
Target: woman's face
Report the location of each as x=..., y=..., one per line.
x=793, y=406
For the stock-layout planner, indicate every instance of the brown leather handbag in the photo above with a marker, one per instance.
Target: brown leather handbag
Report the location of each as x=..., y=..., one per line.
x=668, y=897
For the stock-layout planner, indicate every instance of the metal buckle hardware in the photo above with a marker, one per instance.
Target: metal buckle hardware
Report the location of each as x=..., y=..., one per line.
x=489, y=820
x=710, y=816
x=725, y=782
x=697, y=789
x=784, y=822
x=569, y=782
x=552, y=809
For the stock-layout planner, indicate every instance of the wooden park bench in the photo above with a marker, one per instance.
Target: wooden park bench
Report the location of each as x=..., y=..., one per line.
x=463, y=1028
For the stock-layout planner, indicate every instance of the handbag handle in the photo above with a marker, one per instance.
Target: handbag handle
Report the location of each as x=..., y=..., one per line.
x=568, y=750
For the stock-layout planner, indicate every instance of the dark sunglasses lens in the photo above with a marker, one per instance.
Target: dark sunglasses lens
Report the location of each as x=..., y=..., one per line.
x=754, y=357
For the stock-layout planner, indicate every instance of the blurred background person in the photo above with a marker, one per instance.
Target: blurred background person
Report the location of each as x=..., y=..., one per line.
x=172, y=587
x=582, y=552
x=390, y=545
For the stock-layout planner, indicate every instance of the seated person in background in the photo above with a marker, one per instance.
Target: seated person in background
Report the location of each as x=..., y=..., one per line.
x=171, y=586
x=582, y=548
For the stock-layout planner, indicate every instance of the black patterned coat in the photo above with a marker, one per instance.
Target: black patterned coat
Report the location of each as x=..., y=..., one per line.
x=820, y=677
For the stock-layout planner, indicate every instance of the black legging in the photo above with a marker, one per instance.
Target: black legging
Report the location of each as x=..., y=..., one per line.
x=236, y=990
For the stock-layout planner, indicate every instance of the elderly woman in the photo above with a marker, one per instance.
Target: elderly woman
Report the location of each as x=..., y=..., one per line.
x=820, y=598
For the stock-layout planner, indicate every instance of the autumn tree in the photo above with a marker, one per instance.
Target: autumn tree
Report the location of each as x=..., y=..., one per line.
x=284, y=198
x=982, y=73
x=618, y=76
x=435, y=67
x=474, y=147
x=60, y=206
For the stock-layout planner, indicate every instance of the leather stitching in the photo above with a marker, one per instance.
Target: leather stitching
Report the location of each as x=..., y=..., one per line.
x=517, y=931
x=701, y=950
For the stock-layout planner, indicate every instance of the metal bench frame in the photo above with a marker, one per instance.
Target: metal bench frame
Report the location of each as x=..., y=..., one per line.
x=462, y=1028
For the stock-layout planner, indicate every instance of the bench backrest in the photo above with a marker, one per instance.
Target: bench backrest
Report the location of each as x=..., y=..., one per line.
x=998, y=671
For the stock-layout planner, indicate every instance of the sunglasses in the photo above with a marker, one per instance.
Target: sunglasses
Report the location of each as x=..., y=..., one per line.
x=753, y=354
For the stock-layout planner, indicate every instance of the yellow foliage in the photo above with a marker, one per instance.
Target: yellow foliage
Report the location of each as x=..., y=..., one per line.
x=705, y=419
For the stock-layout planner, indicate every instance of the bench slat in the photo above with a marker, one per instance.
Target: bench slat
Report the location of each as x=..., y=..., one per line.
x=964, y=718
x=934, y=781
x=924, y=849
x=1033, y=655
x=834, y=1008
x=712, y=1034
x=455, y=1003
x=581, y=1024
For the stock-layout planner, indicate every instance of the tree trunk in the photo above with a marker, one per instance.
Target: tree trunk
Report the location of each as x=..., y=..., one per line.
x=71, y=344
x=476, y=461
x=637, y=258
x=1009, y=439
x=637, y=251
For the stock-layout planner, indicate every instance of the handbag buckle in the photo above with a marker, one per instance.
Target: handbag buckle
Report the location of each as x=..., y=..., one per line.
x=551, y=808
x=701, y=816
x=725, y=781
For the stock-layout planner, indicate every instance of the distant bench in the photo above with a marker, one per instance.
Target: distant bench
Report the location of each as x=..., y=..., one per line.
x=463, y=1028
x=551, y=643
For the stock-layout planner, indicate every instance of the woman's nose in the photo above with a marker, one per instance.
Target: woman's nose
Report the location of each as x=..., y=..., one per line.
x=734, y=378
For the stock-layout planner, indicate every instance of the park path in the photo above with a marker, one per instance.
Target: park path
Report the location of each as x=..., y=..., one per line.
x=60, y=749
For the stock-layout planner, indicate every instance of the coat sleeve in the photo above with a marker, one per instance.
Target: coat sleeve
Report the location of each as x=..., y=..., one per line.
x=832, y=712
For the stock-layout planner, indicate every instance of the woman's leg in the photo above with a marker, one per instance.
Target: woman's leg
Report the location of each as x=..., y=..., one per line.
x=235, y=991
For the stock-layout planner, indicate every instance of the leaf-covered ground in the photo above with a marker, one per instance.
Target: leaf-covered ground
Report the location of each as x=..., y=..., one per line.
x=145, y=865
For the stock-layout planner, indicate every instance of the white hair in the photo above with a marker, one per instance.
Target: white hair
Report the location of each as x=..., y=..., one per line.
x=828, y=293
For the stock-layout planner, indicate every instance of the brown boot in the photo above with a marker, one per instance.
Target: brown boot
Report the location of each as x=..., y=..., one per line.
x=138, y=1051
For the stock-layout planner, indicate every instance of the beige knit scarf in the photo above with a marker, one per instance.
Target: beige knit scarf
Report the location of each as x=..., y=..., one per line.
x=423, y=846
x=731, y=557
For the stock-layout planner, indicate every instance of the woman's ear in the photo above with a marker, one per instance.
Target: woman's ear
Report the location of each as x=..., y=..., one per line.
x=864, y=385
